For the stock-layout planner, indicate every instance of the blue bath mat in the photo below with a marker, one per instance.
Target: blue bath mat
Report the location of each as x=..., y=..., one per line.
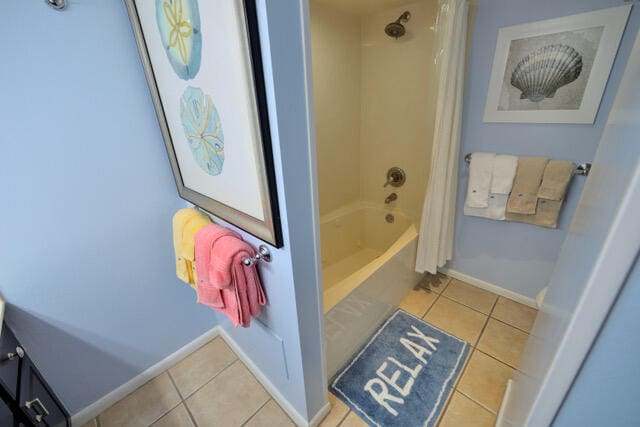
x=403, y=375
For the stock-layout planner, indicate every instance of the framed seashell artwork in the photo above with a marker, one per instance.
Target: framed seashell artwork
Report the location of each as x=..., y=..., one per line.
x=554, y=71
x=202, y=60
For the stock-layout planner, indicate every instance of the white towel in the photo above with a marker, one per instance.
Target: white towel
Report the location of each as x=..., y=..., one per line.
x=480, y=172
x=496, y=210
x=504, y=170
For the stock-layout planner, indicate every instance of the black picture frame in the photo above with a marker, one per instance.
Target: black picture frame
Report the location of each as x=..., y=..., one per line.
x=267, y=229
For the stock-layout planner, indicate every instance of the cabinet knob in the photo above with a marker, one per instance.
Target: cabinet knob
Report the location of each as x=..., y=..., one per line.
x=19, y=353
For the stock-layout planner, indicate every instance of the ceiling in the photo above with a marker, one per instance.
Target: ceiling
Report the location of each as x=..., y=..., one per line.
x=362, y=7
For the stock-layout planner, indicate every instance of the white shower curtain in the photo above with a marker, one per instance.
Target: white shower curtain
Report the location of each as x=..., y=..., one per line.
x=435, y=243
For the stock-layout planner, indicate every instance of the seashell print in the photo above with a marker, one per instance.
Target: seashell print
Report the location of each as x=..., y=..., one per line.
x=203, y=129
x=179, y=26
x=541, y=73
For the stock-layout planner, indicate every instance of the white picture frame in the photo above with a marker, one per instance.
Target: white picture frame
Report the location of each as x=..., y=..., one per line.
x=521, y=89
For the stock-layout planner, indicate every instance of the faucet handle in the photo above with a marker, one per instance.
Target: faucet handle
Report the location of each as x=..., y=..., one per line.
x=395, y=177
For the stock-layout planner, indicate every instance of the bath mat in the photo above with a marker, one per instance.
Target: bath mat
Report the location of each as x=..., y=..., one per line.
x=403, y=375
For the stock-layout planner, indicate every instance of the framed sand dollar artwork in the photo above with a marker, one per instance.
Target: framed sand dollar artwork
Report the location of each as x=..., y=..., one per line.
x=203, y=64
x=554, y=71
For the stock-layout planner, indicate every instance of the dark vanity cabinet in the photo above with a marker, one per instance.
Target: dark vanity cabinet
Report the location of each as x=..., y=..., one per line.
x=27, y=400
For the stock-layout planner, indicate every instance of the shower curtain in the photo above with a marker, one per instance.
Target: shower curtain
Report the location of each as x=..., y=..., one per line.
x=435, y=243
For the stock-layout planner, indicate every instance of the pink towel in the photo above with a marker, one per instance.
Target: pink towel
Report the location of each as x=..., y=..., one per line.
x=243, y=298
x=224, y=282
x=205, y=239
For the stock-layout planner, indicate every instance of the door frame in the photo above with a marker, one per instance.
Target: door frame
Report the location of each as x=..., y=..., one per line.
x=607, y=276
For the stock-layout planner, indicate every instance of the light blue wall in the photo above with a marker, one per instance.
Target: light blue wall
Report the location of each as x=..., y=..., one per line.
x=515, y=256
x=293, y=318
x=87, y=198
x=605, y=391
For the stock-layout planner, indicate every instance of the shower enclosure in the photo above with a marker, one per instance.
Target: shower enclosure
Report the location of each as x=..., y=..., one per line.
x=373, y=73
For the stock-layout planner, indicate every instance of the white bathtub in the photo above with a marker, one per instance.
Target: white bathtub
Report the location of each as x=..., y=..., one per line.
x=367, y=265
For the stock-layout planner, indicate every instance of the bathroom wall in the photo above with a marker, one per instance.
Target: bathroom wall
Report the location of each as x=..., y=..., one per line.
x=521, y=257
x=605, y=390
x=87, y=264
x=373, y=101
x=335, y=42
x=87, y=199
x=397, y=109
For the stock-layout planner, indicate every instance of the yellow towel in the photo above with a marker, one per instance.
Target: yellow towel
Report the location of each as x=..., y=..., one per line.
x=186, y=223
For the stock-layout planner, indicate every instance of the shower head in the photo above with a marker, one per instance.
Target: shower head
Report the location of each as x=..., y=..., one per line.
x=396, y=29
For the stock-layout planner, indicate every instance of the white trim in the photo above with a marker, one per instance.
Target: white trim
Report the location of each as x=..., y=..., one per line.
x=266, y=383
x=322, y=413
x=613, y=20
x=606, y=275
x=522, y=299
x=505, y=399
x=105, y=402
x=109, y=399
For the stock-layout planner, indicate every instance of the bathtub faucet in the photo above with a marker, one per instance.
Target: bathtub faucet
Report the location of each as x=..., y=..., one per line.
x=390, y=198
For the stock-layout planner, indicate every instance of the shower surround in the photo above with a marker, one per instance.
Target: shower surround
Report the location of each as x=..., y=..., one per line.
x=373, y=102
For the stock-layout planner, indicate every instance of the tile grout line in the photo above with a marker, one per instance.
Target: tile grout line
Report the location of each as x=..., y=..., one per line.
x=471, y=398
x=486, y=322
x=193, y=419
x=468, y=306
x=183, y=401
x=464, y=367
x=498, y=360
x=212, y=378
x=509, y=324
x=165, y=413
x=345, y=417
x=479, y=403
x=457, y=383
x=257, y=410
x=475, y=348
x=431, y=306
x=174, y=384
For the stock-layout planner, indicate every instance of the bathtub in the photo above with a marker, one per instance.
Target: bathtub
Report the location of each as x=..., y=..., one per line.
x=367, y=267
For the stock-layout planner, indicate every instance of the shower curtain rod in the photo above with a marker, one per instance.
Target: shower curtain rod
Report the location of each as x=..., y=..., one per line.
x=582, y=169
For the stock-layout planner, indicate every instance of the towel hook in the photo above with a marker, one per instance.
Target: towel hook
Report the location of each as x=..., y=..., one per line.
x=263, y=254
x=57, y=4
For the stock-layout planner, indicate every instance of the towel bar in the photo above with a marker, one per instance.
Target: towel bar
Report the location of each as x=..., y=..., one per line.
x=263, y=254
x=582, y=168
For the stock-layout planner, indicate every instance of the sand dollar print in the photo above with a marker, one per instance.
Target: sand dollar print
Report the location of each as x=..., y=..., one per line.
x=179, y=26
x=203, y=129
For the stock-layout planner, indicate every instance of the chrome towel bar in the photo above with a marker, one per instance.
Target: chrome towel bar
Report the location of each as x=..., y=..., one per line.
x=263, y=254
x=582, y=168
x=263, y=251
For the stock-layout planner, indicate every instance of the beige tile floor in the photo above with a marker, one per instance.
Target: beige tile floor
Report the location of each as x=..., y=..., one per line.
x=188, y=394
x=496, y=327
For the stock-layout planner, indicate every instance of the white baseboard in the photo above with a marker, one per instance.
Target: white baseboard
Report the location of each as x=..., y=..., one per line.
x=323, y=412
x=522, y=299
x=105, y=402
x=505, y=399
x=295, y=416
